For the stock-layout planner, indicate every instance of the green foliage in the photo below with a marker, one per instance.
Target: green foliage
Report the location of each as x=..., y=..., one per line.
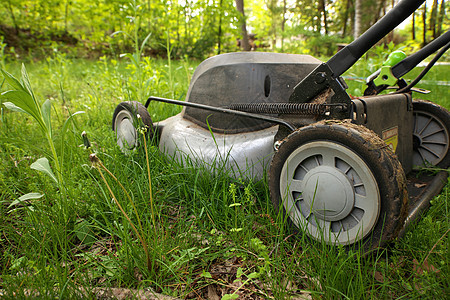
x=22, y=99
x=194, y=29
x=322, y=46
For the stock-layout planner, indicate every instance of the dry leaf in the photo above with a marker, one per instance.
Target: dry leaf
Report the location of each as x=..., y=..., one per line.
x=424, y=267
x=303, y=296
x=420, y=185
x=289, y=285
x=378, y=276
x=212, y=293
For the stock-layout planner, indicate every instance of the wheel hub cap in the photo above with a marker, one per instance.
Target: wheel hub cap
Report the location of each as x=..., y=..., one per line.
x=127, y=133
x=328, y=193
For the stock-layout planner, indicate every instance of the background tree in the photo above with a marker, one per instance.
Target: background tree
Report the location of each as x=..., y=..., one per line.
x=9, y=4
x=358, y=19
x=441, y=16
x=424, y=20
x=323, y=12
x=244, y=43
x=434, y=18
x=283, y=23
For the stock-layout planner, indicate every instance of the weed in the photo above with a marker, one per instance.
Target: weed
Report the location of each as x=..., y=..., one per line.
x=2, y=52
x=22, y=99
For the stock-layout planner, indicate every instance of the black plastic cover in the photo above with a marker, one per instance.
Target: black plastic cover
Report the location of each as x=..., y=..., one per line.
x=244, y=77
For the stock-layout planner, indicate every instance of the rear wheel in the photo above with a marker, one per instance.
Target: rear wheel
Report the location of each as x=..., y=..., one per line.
x=430, y=135
x=126, y=122
x=340, y=184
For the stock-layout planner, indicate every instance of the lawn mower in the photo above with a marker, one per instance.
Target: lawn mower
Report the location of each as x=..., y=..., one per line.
x=344, y=171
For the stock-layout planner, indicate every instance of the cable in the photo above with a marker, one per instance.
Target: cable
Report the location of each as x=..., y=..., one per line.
x=425, y=71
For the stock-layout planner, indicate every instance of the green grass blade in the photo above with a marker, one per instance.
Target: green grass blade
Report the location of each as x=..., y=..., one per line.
x=27, y=84
x=24, y=101
x=69, y=120
x=21, y=99
x=64, y=130
x=144, y=42
x=11, y=106
x=12, y=81
x=43, y=165
x=26, y=197
x=46, y=115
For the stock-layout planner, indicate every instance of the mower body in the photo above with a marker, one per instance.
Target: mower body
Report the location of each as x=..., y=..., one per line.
x=244, y=146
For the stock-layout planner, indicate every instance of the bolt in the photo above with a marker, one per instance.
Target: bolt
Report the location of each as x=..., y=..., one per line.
x=320, y=77
x=276, y=145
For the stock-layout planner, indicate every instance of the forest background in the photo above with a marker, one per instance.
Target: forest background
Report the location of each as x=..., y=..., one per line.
x=198, y=29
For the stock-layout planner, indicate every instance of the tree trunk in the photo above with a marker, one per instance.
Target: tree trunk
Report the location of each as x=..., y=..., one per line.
x=149, y=8
x=344, y=29
x=358, y=17
x=376, y=15
x=66, y=15
x=351, y=18
x=413, y=27
x=391, y=34
x=13, y=17
x=283, y=22
x=186, y=25
x=440, y=19
x=244, y=42
x=433, y=18
x=424, y=19
x=322, y=5
x=177, y=7
x=219, y=33
x=272, y=8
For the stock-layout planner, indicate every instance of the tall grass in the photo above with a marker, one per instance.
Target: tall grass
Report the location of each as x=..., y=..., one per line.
x=206, y=233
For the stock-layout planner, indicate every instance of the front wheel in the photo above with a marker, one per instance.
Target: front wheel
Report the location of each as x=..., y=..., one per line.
x=127, y=118
x=340, y=184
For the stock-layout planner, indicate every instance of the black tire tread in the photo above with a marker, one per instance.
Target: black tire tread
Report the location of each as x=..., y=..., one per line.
x=394, y=215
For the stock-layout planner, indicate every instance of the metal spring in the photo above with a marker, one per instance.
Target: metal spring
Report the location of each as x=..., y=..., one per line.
x=281, y=108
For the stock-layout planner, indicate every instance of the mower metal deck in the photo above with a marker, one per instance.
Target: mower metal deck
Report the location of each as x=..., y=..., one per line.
x=242, y=155
x=422, y=188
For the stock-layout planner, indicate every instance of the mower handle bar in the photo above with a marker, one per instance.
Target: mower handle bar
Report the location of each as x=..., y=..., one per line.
x=411, y=61
x=350, y=54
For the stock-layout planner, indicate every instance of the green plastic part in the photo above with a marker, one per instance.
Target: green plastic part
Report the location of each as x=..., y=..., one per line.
x=386, y=76
x=394, y=58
